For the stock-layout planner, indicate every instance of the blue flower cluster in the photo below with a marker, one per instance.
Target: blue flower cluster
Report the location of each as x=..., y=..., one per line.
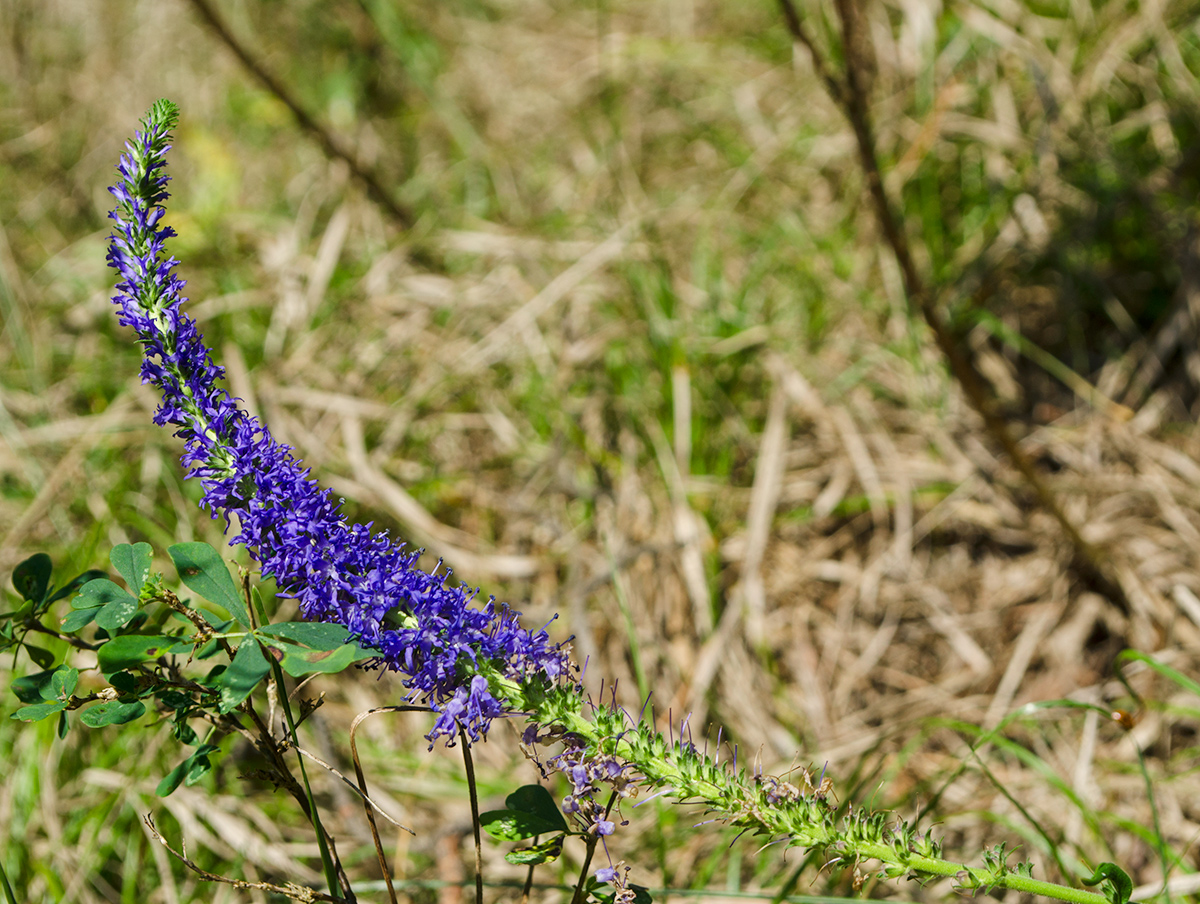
x=422, y=626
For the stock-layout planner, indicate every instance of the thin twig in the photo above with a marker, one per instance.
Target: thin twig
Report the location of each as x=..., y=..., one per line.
x=331, y=145
x=353, y=787
x=362, y=787
x=852, y=99
x=295, y=892
x=799, y=33
x=77, y=642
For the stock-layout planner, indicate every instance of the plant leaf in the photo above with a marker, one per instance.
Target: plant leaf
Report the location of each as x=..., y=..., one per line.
x=545, y=852
x=298, y=660
x=100, y=592
x=39, y=711
x=117, y=613
x=63, y=682
x=248, y=668
x=317, y=635
x=537, y=801
x=32, y=577
x=205, y=573
x=175, y=777
x=44, y=658
x=125, y=682
x=73, y=585
x=131, y=650
x=133, y=564
x=112, y=712
x=199, y=763
x=172, y=780
x=79, y=618
x=513, y=825
x=34, y=688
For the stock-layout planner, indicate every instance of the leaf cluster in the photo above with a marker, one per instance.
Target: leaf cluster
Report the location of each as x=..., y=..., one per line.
x=192, y=661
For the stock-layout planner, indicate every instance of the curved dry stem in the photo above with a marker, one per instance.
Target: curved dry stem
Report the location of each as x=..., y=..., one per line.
x=369, y=806
x=295, y=892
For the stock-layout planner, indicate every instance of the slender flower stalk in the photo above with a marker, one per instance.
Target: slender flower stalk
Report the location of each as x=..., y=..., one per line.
x=472, y=663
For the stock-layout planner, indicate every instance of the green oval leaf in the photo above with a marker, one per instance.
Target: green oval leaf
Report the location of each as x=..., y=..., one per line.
x=199, y=763
x=125, y=682
x=100, y=592
x=63, y=682
x=131, y=650
x=299, y=660
x=112, y=712
x=44, y=658
x=172, y=780
x=170, y=699
x=183, y=732
x=186, y=769
x=80, y=618
x=39, y=711
x=537, y=801
x=74, y=584
x=317, y=635
x=32, y=578
x=34, y=688
x=205, y=573
x=248, y=668
x=513, y=825
x=133, y=564
x=545, y=852
x=117, y=613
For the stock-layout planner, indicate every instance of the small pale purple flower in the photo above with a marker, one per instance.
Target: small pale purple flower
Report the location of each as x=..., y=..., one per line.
x=588, y=773
x=422, y=624
x=618, y=877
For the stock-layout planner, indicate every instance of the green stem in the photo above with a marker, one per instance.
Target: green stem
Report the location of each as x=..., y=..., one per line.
x=327, y=864
x=803, y=815
x=932, y=866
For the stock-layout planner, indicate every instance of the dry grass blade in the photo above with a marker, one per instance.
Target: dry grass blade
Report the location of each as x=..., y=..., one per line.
x=764, y=497
x=371, y=482
x=358, y=789
x=499, y=341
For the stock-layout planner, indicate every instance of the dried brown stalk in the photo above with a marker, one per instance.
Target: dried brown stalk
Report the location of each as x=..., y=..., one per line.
x=851, y=96
x=329, y=142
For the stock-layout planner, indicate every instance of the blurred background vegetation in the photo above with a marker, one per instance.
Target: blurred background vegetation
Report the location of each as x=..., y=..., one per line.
x=623, y=342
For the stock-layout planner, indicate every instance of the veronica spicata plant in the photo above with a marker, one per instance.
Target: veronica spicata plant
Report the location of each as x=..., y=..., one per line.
x=471, y=663
x=422, y=624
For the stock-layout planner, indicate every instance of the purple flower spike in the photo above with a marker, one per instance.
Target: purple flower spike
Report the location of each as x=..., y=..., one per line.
x=422, y=626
